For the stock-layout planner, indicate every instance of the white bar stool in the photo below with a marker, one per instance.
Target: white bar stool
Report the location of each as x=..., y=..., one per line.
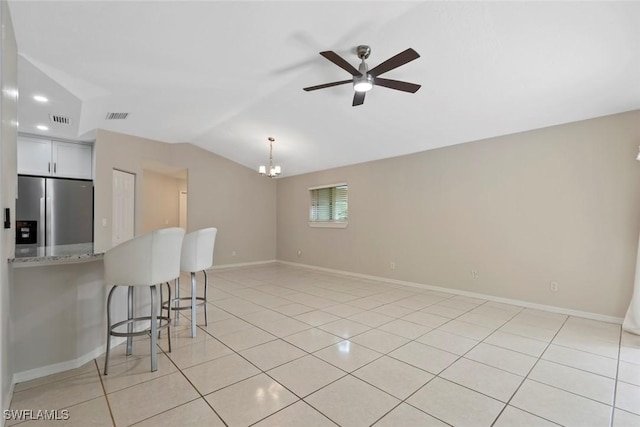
x=197, y=255
x=147, y=260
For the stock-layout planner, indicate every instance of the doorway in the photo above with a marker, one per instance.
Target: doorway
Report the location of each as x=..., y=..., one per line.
x=183, y=210
x=163, y=201
x=123, y=211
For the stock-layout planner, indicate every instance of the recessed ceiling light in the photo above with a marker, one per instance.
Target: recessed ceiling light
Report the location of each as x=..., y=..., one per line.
x=41, y=98
x=42, y=127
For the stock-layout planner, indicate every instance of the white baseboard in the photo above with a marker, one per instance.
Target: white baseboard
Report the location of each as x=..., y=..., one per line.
x=43, y=371
x=242, y=264
x=527, y=304
x=12, y=387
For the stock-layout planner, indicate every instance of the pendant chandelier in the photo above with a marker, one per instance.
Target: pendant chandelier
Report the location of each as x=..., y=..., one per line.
x=272, y=171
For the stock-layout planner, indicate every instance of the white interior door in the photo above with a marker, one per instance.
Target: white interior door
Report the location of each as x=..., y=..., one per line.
x=123, y=214
x=183, y=210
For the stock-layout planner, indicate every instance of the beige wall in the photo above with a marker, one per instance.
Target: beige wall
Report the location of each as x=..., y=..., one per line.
x=557, y=204
x=160, y=200
x=222, y=194
x=8, y=184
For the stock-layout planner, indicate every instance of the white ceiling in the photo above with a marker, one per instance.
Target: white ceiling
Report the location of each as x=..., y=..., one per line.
x=225, y=75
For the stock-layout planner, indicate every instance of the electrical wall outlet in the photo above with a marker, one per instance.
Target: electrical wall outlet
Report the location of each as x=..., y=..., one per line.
x=392, y=265
x=474, y=274
x=553, y=286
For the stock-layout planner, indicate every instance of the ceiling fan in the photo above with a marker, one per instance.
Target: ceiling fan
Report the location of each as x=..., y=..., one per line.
x=364, y=79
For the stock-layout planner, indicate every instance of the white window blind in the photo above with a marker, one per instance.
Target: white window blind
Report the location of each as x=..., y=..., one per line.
x=329, y=204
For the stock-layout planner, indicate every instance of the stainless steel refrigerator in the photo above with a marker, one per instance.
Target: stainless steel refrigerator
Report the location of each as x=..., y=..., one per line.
x=53, y=212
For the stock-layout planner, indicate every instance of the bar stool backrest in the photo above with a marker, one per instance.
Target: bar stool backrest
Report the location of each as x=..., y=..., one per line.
x=197, y=250
x=145, y=260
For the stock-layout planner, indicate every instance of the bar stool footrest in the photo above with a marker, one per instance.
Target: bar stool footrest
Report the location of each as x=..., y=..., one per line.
x=165, y=304
x=165, y=322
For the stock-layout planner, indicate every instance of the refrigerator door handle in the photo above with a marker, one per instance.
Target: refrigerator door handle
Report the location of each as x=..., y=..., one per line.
x=49, y=221
x=41, y=223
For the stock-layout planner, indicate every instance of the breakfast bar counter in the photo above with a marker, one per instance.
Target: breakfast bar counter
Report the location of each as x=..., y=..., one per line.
x=31, y=255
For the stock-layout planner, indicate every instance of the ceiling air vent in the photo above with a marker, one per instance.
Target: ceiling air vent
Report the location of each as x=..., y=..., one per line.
x=59, y=120
x=116, y=116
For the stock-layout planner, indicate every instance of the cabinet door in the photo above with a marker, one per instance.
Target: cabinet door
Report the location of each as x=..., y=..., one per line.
x=34, y=156
x=72, y=160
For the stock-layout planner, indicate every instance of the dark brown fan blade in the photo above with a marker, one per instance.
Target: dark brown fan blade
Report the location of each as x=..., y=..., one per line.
x=358, y=98
x=397, y=85
x=337, y=59
x=342, y=82
x=394, y=62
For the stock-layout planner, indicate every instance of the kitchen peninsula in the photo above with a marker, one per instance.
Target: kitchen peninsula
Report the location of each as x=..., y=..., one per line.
x=57, y=311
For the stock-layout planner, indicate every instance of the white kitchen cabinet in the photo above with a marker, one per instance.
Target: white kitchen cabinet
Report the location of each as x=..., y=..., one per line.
x=45, y=157
x=71, y=160
x=34, y=156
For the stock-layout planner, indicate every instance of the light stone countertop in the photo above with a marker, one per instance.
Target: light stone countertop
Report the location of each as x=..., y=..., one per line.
x=31, y=256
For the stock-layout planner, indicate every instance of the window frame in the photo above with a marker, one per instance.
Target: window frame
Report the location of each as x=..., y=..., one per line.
x=331, y=223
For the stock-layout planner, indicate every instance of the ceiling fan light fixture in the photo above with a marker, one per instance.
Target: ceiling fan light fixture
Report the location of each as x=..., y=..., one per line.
x=364, y=79
x=363, y=83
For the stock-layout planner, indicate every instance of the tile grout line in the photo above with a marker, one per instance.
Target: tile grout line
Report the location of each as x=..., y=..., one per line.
x=458, y=358
x=312, y=354
x=192, y=385
x=104, y=390
x=527, y=376
x=615, y=388
x=252, y=376
x=401, y=401
x=299, y=398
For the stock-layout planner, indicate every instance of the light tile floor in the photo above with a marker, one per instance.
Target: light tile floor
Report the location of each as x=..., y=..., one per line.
x=288, y=346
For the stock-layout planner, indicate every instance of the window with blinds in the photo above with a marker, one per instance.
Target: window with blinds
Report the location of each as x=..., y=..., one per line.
x=329, y=206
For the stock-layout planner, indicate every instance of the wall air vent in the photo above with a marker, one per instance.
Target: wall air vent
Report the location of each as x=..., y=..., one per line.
x=116, y=116
x=59, y=120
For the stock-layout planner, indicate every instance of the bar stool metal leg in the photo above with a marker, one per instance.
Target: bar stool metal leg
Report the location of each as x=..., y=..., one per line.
x=176, y=300
x=161, y=306
x=106, y=359
x=168, y=316
x=193, y=305
x=154, y=329
x=130, y=325
x=206, y=285
x=165, y=305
